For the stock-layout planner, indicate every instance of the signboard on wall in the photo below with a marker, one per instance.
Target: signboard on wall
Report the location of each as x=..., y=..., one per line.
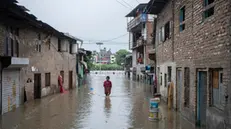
x=143, y=17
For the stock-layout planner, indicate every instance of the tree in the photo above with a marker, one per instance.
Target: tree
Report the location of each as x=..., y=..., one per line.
x=121, y=55
x=88, y=60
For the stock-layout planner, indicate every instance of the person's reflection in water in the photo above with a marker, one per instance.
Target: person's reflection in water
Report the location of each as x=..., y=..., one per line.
x=107, y=106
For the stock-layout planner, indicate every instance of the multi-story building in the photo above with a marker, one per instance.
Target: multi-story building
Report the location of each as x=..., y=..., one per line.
x=193, y=52
x=140, y=28
x=112, y=59
x=104, y=56
x=33, y=54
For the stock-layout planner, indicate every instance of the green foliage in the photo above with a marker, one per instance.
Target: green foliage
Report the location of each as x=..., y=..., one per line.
x=107, y=67
x=88, y=59
x=120, y=56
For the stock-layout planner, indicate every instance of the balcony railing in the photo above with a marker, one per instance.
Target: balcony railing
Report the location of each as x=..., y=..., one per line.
x=138, y=42
x=136, y=21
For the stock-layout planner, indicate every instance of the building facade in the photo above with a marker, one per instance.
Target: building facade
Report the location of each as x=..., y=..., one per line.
x=104, y=56
x=193, y=52
x=140, y=28
x=112, y=58
x=33, y=54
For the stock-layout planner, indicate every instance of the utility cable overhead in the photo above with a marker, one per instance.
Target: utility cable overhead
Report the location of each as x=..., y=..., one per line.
x=114, y=38
x=122, y=4
x=127, y=4
x=107, y=40
x=137, y=1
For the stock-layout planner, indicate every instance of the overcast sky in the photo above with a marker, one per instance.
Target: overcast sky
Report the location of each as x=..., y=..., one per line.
x=90, y=20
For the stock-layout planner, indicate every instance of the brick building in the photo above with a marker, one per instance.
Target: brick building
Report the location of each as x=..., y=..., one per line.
x=33, y=54
x=193, y=51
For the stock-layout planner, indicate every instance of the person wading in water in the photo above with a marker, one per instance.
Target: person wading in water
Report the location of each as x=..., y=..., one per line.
x=60, y=81
x=107, y=86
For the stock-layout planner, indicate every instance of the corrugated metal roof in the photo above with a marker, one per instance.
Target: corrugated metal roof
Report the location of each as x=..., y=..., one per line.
x=141, y=7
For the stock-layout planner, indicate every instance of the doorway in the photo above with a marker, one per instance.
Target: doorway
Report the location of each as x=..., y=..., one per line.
x=179, y=82
x=37, y=86
x=201, y=97
x=70, y=80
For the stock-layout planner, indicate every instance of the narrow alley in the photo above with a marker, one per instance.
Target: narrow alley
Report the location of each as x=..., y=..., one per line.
x=126, y=108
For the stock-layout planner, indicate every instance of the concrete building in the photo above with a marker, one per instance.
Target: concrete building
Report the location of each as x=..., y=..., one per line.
x=193, y=51
x=33, y=54
x=112, y=59
x=104, y=56
x=140, y=28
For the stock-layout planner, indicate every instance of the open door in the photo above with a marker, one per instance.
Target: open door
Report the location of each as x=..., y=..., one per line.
x=70, y=80
x=37, y=86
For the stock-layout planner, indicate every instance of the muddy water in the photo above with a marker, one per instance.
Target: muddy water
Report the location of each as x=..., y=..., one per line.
x=126, y=108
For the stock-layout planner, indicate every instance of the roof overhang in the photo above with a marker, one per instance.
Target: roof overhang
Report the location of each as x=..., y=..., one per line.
x=156, y=6
x=14, y=62
x=141, y=7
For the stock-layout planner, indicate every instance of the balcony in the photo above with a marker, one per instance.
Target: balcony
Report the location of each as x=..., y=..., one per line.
x=136, y=21
x=138, y=43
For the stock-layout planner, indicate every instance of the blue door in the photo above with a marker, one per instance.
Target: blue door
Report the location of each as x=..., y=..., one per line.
x=201, y=98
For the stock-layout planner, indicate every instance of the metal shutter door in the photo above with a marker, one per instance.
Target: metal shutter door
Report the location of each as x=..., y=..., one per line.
x=10, y=90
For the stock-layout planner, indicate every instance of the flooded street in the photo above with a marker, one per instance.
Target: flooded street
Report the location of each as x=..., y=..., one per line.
x=126, y=108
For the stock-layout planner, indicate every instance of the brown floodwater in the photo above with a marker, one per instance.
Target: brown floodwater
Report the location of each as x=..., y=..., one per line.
x=126, y=108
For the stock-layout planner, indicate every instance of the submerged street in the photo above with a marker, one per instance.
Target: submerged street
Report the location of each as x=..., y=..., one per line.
x=126, y=108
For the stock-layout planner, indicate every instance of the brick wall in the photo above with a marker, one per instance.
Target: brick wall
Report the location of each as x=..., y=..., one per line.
x=149, y=45
x=205, y=43
x=163, y=49
x=47, y=61
x=2, y=37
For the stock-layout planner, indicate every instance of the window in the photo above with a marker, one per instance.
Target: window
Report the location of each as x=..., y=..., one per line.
x=217, y=89
x=38, y=45
x=208, y=2
x=169, y=74
x=167, y=31
x=161, y=79
x=186, y=86
x=59, y=45
x=48, y=79
x=11, y=47
x=182, y=18
x=162, y=34
x=49, y=43
x=165, y=80
x=208, y=8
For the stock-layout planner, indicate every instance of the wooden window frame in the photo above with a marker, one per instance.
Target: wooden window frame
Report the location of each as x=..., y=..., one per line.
x=59, y=44
x=182, y=21
x=11, y=45
x=47, y=79
x=208, y=7
x=218, y=87
x=38, y=45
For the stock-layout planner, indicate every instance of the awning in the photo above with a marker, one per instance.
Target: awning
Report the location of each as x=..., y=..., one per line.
x=84, y=63
x=14, y=62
